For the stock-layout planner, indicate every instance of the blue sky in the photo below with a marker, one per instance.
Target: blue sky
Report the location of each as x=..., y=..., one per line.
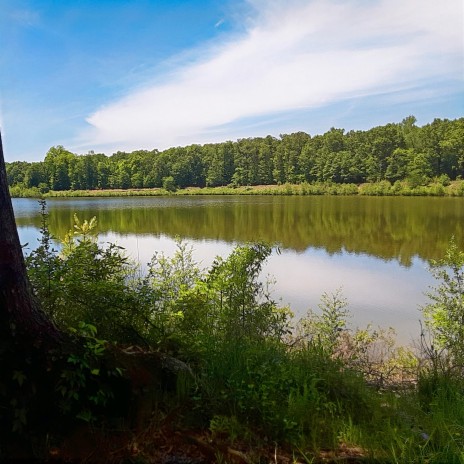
x=124, y=75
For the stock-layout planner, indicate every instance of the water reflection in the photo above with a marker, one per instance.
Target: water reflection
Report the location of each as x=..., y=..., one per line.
x=377, y=249
x=397, y=228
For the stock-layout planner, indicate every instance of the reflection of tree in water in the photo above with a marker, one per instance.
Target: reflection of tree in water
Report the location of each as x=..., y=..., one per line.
x=387, y=227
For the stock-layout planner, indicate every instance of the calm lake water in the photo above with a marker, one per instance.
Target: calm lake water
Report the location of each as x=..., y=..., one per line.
x=377, y=249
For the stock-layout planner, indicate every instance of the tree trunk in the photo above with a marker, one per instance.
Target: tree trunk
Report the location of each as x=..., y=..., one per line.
x=29, y=344
x=20, y=314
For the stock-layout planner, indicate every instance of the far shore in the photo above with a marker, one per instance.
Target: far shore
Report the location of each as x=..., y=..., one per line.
x=383, y=188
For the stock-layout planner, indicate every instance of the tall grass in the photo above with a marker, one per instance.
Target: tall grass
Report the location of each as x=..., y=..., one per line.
x=382, y=188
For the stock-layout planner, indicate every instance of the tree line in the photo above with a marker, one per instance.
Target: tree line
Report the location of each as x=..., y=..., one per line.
x=393, y=152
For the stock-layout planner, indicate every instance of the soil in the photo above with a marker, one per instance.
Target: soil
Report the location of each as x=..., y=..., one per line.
x=165, y=446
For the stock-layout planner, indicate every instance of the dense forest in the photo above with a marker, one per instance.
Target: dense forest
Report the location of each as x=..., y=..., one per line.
x=393, y=152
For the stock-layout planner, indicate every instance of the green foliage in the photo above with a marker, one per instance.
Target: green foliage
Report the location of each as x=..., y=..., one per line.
x=82, y=384
x=191, y=308
x=242, y=304
x=444, y=315
x=325, y=329
x=85, y=281
x=299, y=396
x=395, y=152
x=44, y=266
x=228, y=427
x=373, y=353
x=168, y=281
x=169, y=184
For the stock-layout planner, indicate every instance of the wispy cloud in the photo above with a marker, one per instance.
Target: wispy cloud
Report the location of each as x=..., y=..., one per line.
x=293, y=55
x=219, y=23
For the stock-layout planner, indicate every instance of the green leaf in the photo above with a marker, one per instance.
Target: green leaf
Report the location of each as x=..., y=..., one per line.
x=86, y=416
x=19, y=376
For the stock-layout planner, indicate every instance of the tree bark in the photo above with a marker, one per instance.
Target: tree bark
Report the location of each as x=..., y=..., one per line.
x=29, y=342
x=20, y=313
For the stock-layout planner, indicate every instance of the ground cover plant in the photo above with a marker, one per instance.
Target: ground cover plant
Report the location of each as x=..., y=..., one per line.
x=260, y=387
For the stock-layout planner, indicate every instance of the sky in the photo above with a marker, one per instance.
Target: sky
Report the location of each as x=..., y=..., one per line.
x=125, y=75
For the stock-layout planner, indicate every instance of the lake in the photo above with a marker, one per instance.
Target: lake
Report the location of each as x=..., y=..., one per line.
x=377, y=249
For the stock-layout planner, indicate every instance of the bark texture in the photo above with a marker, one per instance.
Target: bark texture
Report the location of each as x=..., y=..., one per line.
x=20, y=314
x=28, y=342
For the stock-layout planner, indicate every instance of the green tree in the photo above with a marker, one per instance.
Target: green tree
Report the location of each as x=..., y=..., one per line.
x=169, y=184
x=35, y=175
x=241, y=301
x=57, y=163
x=215, y=161
x=452, y=148
x=187, y=167
x=246, y=162
x=410, y=132
x=292, y=145
x=161, y=168
x=103, y=171
x=420, y=170
x=308, y=161
x=16, y=172
x=123, y=174
x=399, y=164
x=265, y=155
x=278, y=162
x=383, y=141
x=326, y=328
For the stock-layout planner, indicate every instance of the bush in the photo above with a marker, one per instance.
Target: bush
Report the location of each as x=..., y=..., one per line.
x=85, y=282
x=444, y=315
x=169, y=184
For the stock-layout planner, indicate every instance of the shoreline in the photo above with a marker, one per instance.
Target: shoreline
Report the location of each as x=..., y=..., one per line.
x=382, y=188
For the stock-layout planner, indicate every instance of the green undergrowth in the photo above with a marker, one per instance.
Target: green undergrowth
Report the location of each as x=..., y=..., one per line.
x=439, y=187
x=260, y=377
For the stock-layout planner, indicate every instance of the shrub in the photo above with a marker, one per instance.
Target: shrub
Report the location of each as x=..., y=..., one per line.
x=444, y=315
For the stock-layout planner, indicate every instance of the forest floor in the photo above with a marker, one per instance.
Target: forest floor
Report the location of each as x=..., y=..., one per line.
x=167, y=446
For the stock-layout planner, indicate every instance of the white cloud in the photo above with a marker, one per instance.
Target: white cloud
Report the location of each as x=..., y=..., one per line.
x=294, y=55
